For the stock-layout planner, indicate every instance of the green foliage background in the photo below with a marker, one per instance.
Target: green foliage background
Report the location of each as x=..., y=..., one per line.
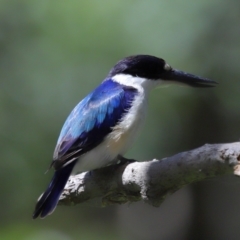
x=52, y=53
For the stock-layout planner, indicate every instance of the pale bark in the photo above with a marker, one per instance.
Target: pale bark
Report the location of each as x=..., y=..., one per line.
x=152, y=181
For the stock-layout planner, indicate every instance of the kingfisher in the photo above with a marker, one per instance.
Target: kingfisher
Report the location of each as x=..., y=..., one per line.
x=102, y=126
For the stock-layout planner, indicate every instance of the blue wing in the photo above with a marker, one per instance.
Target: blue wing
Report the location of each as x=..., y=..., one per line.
x=91, y=120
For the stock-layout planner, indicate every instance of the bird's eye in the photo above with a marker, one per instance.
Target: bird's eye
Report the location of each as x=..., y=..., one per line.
x=167, y=67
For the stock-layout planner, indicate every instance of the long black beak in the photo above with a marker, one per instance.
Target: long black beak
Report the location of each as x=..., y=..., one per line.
x=187, y=78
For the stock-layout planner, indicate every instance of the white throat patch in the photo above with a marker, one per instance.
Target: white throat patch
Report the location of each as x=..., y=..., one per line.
x=136, y=82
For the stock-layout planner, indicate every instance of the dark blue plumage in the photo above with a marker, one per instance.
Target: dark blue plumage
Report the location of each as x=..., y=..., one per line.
x=87, y=125
x=92, y=119
x=48, y=201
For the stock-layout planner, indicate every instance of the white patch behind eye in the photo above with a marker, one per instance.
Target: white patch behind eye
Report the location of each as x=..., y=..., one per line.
x=167, y=67
x=142, y=84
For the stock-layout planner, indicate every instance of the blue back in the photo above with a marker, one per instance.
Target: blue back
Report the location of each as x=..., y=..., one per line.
x=92, y=119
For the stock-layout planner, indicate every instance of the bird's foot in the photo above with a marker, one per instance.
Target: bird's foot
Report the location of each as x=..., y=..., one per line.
x=122, y=160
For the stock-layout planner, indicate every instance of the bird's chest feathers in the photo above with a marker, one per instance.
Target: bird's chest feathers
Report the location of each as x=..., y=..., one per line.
x=123, y=133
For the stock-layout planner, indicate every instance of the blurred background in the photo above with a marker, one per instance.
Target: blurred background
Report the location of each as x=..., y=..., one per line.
x=52, y=53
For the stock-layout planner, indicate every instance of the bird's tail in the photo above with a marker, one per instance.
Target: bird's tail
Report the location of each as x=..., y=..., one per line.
x=47, y=202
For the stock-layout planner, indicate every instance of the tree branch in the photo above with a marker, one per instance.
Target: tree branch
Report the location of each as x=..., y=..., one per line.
x=152, y=181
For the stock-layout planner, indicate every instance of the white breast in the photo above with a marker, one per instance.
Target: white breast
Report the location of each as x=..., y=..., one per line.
x=123, y=134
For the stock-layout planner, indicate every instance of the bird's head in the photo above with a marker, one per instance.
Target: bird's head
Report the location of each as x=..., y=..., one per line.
x=153, y=71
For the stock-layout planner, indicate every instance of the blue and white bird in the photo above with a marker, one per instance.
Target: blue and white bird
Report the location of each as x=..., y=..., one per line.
x=100, y=129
